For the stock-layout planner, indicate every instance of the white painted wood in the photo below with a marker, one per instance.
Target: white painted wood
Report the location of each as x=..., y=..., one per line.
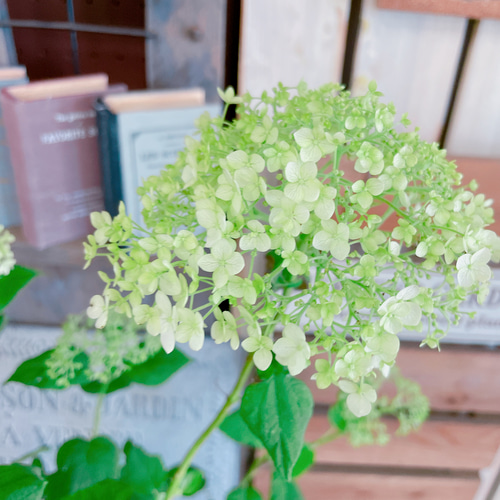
x=290, y=40
x=475, y=126
x=413, y=58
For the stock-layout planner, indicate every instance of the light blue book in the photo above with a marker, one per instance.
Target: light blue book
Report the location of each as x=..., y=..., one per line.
x=139, y=133
x=9, y=207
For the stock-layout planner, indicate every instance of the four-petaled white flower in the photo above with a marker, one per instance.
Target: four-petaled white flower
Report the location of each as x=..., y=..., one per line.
x=360, y=397
x=98, y=310
x=473, y=269
x=257, y=239
x=224, y=329
x=292, y=349
x=334, y=238
x=190, y=329
x=314, y=144
x=223, y=262
x=262, y=347
x=163, y=321
x=302, y=182
x=398, y=312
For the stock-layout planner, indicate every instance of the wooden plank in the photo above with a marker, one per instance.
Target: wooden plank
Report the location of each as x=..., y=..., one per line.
x=354, y=486
x=190, y=45
x=475, y=124
x=413, y=59
x=477, y=9
x=285, y=40
x=458, y=380
x=438, y=444
x=487, y=174
x=325, y=486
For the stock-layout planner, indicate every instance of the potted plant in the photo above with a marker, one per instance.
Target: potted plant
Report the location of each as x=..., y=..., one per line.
x=349, y=262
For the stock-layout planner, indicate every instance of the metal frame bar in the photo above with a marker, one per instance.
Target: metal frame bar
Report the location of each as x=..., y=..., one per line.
x=69, y=26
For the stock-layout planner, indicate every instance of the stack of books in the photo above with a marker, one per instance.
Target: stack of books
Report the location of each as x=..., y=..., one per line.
x=78, y=145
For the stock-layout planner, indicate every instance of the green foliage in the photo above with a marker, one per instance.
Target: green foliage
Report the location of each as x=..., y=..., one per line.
x=277, y=411
x=304, y=462
x=81, y=464
x=20, y=482
x=244, y=494
x=69, y=364
x=236, y=428
x=13, y=282
x=33, y=371
x=153, y=371
x=409, y=406
x=95, y=469
x=143, y=472
x=281, y=489
x=192, y=482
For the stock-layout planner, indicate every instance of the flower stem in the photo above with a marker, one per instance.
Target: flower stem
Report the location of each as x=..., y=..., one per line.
x=32, y=454
x=98, y=410
x=174, y=488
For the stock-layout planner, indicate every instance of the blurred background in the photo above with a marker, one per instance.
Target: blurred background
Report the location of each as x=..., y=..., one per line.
x=437, y=61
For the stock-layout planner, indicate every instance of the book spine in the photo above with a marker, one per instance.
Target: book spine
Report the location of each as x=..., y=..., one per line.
x=15, y=140
x=109, y=156
x=9, y=205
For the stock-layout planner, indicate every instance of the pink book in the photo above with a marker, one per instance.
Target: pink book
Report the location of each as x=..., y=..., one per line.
x=52, y=134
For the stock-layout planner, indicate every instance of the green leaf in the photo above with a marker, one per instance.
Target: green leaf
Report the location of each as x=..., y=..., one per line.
x=34, y=372
x=143, y=472
x=244, y=494
x=82, y=464
x=336, y=416
x=158, y=368
x=109, y=489
x=13, y=282
x=236, y=428
x=193, y=481
x=304, y=462
x=281, y=489
x=95, y=387
x=277, y=411
x=275, y=368
x=153, y=371
x=20, y=482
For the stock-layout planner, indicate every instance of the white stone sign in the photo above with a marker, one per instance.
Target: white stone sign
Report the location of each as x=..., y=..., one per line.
x=164, y=420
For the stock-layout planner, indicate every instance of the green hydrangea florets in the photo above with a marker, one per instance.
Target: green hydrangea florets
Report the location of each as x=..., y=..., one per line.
x=368, y=229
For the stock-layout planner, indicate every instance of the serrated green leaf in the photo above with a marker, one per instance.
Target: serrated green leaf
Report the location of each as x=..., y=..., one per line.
x=244, y=494
x=281, y=489
x=143, y=472
x=304, y=462
x=13, y=282
x=82, y=464
x=277, y=411
x=193, y=481
x=21, y=482
x=236, y=428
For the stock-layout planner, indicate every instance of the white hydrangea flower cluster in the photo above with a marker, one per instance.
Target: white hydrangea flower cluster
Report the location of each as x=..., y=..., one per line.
x=271, y=183
x=7, y=260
